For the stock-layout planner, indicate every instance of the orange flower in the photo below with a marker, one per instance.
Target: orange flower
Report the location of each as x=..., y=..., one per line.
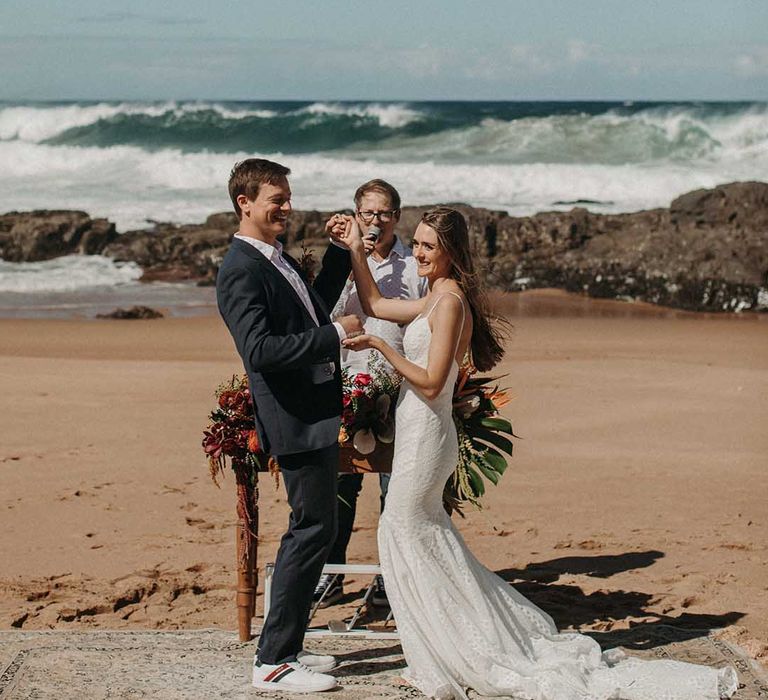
x=253, y=442
x=499, y=398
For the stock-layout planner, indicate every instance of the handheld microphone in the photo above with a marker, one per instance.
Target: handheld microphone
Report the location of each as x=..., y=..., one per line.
x=373, y=233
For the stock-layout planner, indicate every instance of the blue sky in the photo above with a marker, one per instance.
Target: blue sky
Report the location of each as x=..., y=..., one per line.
x=296, y=49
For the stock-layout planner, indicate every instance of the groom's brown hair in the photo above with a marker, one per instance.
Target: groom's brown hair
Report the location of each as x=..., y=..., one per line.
x=249, y=175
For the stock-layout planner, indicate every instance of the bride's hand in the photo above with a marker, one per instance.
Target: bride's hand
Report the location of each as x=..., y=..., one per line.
x=346, y=233
x=361, y=342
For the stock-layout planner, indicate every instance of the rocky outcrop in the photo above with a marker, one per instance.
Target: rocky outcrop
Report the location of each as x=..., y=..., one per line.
x=707, y=252
x=132, y=314
x=42, y=235
x=193, y=252
x=177, y=253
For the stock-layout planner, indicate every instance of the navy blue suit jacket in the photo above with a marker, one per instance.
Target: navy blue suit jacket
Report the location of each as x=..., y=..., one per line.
x=292, y=364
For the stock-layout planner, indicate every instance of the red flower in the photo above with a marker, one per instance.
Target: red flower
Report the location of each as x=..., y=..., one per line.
x=237, y=402
x=346, y=400
x=357, y=393
x=362, y=379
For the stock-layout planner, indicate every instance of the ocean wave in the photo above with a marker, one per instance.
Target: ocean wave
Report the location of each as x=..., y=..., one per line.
x=66, y=274
x=612, y=138
x=130, y=186
x=170, y=161
x=38, y=123
x=509, y=133
x=203, y=126
x=392, y=116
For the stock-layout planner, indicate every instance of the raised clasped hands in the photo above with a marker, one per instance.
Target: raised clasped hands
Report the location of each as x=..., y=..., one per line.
x=344, y=230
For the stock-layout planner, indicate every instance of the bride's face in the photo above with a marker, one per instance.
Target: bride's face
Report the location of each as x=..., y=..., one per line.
x=433, y=261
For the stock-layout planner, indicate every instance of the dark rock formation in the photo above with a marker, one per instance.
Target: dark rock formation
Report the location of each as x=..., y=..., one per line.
x=177, y=253
x=193, y=252
x=42, y=235
x=707, y=252
x=135, y=312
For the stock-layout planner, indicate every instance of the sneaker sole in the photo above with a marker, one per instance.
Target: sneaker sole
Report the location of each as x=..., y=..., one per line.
x=293, y=688
x=331, y=599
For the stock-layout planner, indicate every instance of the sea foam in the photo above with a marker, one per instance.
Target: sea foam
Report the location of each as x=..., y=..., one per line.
x=66, y=274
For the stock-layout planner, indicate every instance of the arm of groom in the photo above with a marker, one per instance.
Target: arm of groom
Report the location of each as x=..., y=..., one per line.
x=243, y=306
x=334, y=271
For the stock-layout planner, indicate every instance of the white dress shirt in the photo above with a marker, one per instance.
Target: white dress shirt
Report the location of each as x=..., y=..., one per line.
x=274, y=253
x=396, y=277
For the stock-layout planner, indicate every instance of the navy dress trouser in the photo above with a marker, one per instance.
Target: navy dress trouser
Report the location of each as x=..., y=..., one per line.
x=349, y=489
x=310, y=480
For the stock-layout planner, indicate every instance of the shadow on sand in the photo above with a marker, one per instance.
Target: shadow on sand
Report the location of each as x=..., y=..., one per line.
x=570, y=606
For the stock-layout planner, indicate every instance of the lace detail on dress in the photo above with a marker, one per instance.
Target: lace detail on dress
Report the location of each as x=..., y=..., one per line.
x=460, y=625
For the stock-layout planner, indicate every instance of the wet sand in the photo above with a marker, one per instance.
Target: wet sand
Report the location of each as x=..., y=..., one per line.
x=638, y=491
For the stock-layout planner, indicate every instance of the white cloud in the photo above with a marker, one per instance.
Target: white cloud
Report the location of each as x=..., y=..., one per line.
x=753, y=63
x=578, y=51
x=529, y=57
x=423, y=61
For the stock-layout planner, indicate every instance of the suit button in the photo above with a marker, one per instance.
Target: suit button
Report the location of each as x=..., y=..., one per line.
x=329, y=370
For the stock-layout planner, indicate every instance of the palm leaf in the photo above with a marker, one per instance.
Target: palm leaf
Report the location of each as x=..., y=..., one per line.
x=488, y=472
x=476, y=482
x=482, y=434
x=495, y=459
x=498, y=425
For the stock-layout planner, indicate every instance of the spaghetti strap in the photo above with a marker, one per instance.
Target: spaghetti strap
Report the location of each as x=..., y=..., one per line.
x=461, y=301
x=463, y=317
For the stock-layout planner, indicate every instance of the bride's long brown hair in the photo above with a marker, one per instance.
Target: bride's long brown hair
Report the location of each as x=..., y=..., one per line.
x=453, y=237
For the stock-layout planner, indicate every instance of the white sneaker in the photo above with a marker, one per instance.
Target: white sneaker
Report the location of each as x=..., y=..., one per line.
x=320, y=663
x=292, y=677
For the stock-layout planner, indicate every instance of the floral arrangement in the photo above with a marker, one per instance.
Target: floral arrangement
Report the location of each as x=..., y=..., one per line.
x=231, y=435
x=482, y=439
x=307, y=263
x=369, y=405
x=369, y=400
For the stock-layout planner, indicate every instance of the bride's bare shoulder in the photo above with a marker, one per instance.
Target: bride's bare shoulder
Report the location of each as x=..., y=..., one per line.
x=448, y=286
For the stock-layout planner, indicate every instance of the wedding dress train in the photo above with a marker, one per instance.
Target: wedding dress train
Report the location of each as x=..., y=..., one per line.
x=460, y=625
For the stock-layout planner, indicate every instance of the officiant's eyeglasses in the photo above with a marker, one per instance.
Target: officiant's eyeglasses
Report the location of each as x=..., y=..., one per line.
x=385, y=215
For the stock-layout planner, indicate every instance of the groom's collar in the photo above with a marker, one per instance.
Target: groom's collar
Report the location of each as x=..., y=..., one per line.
x=270, y=252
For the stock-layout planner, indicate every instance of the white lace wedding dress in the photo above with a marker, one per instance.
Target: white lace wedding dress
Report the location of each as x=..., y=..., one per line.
x=460, y=625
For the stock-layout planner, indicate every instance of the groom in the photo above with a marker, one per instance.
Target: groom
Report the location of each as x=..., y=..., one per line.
x=290, y=350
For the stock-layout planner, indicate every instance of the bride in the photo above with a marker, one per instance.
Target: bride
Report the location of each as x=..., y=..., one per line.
x=460, y=625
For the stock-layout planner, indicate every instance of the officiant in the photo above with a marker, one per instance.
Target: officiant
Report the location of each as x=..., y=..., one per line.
x=377, y=210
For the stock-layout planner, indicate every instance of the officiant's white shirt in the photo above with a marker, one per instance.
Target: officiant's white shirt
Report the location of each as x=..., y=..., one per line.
x=397, y=277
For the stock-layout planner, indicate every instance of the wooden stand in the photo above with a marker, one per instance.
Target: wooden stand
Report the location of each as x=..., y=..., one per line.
x=247, y=533
x=247, y=543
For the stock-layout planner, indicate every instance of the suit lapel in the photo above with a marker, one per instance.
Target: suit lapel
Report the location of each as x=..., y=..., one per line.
x=277, y=276
x=319, y=304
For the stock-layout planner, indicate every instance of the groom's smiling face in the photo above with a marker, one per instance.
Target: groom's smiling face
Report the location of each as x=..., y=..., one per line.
x=266, y=216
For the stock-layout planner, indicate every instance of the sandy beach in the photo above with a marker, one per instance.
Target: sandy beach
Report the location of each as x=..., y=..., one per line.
x=638, y=491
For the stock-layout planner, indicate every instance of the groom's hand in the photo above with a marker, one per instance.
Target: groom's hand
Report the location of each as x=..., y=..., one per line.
x=335, y=226
x=351, y=324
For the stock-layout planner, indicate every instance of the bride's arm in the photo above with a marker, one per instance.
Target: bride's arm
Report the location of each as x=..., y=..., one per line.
x=447, y=321
x=371, y=299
